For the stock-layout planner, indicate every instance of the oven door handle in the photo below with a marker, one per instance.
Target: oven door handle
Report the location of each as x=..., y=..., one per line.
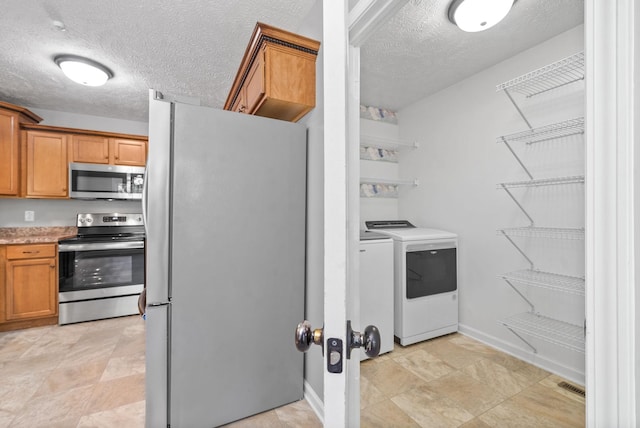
x=65, y=248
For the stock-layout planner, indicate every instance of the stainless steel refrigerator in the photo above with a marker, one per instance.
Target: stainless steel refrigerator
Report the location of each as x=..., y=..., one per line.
x=225, y=261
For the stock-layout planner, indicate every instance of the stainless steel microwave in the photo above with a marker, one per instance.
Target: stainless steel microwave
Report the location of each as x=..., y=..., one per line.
x=98, y=181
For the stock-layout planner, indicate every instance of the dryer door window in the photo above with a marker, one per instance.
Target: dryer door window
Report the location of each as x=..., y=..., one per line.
x=430, y=272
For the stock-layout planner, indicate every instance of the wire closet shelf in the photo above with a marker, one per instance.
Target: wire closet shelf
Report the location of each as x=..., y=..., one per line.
x=546, y=280
x=547, y=78
x=576, y=179
x=543, y=232
x=554, y=131
x=558, y=332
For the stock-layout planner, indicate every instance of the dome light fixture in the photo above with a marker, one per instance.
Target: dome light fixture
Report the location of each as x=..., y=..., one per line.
x=83, y=71
x=478, y=15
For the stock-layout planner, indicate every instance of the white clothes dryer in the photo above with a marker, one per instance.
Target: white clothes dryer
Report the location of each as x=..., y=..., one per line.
x=425, y=280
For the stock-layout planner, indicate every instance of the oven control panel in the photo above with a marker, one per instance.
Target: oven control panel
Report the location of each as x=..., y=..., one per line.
x=109, y=219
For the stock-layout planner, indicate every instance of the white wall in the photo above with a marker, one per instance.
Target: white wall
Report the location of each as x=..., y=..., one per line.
x=459, y=164
x=53, y=212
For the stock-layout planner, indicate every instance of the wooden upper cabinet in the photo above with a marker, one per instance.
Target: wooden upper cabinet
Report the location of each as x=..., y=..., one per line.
x=46, y=165
x=128, y=152
x=277, y=75
x=11, y=117
x=90, y=149
x=114, y=151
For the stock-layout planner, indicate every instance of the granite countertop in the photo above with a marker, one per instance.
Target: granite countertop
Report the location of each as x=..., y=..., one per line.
x=35, y=235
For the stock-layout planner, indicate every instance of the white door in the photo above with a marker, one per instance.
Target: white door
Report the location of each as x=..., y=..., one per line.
x=343, y=33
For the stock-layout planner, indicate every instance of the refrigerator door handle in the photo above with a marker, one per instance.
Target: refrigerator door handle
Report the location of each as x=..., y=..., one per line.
x=145, y=199
x=155, y=304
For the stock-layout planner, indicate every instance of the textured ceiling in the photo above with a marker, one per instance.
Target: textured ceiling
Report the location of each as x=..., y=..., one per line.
x=193, y=48
x=419, y=51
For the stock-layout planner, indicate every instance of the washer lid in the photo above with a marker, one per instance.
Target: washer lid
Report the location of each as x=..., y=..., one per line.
x=417, y=234
x=367, y=235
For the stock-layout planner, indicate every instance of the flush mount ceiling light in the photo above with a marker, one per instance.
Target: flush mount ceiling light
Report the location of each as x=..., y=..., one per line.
x=478, y=15
x=82, y=70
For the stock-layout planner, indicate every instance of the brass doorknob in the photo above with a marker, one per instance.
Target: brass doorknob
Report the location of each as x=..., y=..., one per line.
x=305, y=336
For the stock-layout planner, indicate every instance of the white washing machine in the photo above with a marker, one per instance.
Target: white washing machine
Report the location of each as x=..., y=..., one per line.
x=425, y=280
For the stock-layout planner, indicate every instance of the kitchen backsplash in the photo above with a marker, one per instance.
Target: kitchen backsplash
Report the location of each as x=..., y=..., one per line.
x=52, y=212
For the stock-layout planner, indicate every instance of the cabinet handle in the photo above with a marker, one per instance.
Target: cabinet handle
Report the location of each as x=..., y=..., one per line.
x=242, y=109
x=31, y=252
x=52, y=266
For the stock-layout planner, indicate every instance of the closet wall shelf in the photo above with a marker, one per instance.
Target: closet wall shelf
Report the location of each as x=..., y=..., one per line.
x=550, y=132
x=377, y=154
x=364, y=180
x=546, y=280
x=547, y=78
x=560, y=333
x=543, y=232
x=543, y=182
x=386, y=143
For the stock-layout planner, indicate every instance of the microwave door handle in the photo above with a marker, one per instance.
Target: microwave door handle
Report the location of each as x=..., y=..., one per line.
x=145, y=199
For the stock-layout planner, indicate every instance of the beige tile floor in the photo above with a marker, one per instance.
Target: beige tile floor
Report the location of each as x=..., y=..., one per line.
x=455, y=381
x=92, y=375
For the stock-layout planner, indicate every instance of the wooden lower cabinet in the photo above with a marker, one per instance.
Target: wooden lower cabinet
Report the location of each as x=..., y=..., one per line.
x=29, y=292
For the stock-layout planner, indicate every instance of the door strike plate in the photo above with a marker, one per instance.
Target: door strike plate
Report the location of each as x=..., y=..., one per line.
x=334, y=355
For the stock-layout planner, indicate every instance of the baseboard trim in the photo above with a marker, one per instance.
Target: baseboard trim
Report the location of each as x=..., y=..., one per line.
x=314, y=401
x=525, y=355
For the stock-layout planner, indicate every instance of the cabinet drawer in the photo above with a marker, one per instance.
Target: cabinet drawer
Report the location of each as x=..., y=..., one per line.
x=31, y=251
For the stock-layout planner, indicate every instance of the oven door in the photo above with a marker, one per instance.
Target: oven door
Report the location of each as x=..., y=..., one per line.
x=100, y=270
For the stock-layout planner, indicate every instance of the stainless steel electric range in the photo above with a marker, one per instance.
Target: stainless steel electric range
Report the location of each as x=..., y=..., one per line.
x=101, y=271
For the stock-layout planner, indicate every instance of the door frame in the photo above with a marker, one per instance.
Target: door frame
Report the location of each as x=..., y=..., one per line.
x=612, y=235
x=612, y=208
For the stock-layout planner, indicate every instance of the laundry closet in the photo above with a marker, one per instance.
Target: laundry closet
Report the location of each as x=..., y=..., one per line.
x=515, y=207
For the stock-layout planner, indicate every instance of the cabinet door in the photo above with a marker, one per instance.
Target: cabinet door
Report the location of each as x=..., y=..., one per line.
x=240, y=104
x=47, y=165
x=128, y=152
x=9, y=157
x=90, y=149
x=31, y=290
x=255, y=84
